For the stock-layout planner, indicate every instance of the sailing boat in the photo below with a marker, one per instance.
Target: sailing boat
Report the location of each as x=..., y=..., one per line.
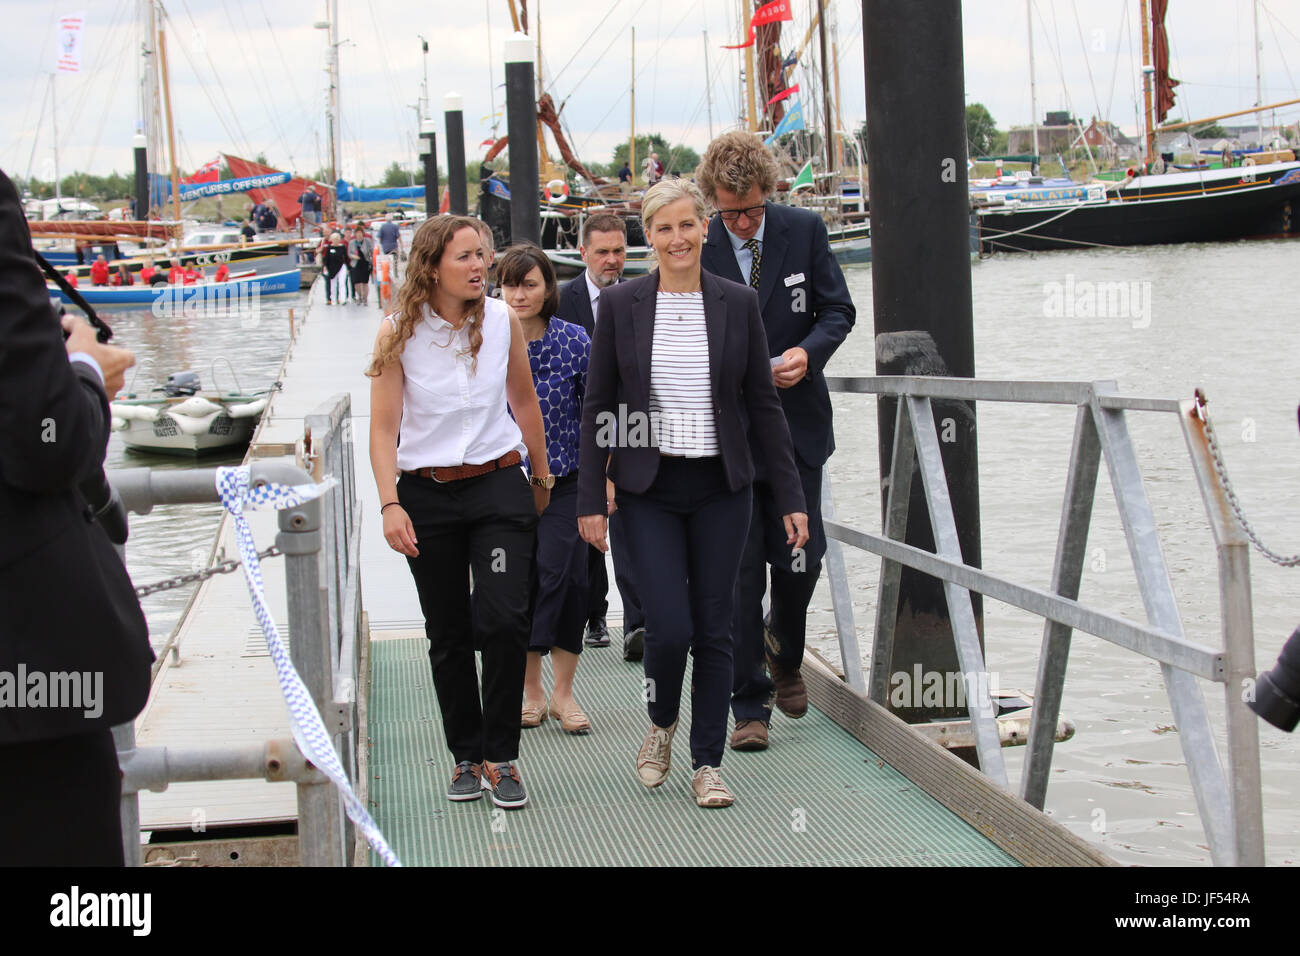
x=1152, y=204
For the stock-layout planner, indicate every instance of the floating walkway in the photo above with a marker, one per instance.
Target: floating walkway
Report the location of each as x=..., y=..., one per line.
x=819, y=795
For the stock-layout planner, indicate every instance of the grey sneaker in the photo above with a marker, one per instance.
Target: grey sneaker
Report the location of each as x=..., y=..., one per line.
x=465, y=782
x=504, y=785
x=709, y=789
x=655, y=755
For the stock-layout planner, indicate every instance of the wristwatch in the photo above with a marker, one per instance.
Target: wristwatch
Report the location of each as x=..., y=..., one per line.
x=542, y=481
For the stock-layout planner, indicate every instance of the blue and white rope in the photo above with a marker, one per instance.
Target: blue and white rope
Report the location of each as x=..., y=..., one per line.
x=304, y=719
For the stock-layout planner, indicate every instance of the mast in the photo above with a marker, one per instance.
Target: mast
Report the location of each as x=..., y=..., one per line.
x=1148, y=78
x=828, y=130
x=1259, y=88
x=708, y=87
x=839, y=117
x=54, y=112
x=336, y=110
x=750, y=84
x=171, y=134
x=1033, y=83
x=631, y=136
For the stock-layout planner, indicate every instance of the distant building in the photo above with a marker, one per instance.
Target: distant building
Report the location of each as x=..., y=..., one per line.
x=1108, y=143
x=1055, y=134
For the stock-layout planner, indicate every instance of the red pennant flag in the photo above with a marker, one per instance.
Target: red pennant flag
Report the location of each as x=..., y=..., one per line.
x=789, y=91
x=487, y=142
x=772, y=12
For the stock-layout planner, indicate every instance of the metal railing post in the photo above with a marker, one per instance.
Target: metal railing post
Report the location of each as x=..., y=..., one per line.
x=1067, y=572
x=841, y=599
x=898, y=501
x=320, y=816
x=1233, y=549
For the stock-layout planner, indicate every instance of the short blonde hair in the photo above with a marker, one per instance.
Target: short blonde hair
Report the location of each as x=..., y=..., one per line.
x=668, y=191
x=737, y=161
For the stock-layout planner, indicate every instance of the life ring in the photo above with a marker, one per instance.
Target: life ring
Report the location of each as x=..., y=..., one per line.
x=557, y=197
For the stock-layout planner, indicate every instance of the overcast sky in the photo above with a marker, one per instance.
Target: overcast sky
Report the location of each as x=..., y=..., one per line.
x=248, y=76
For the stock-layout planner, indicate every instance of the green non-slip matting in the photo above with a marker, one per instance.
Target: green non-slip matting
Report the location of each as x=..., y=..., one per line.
x=816, y=796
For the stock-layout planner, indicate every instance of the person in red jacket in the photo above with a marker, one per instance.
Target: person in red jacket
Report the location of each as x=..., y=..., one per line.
x=223, y=273
x=147, y=273
x=71, y=276
x=175, y=275
x=122, y=276
x=99, y=271
x=192, y=275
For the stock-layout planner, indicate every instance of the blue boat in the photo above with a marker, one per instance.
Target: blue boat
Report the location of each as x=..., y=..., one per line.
x=234, y=293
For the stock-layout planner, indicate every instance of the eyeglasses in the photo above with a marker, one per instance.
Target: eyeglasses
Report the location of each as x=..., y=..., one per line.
x=731, y=215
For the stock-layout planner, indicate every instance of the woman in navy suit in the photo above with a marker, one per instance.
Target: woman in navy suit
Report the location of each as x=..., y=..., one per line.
x=679, y=379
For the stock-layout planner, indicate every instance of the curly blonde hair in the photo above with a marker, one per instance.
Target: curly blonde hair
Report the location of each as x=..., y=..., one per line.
x=737, y=161
x=427, y=247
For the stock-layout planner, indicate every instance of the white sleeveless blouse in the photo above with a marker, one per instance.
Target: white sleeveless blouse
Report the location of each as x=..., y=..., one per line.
x=452, y=413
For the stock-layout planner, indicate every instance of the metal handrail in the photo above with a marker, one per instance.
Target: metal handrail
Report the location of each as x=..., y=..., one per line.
x=1228, y=798
x=320, y=541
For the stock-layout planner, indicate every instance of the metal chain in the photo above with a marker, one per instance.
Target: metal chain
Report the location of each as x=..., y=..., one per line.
x=1221, y=470
x=225, y=567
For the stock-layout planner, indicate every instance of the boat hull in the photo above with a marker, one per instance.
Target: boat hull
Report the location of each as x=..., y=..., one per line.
x=179, y=298
x=164, y=438
x=1197, y=209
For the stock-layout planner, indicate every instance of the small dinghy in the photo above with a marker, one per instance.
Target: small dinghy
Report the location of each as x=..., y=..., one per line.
x=186, y=420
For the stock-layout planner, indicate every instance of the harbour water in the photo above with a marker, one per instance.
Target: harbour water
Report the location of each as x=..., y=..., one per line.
x=1211, y=316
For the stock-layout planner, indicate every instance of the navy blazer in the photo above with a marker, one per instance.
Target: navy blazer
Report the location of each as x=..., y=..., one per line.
x=805, y=302
x=575, y=304
x=746, y=409
x=66, y=601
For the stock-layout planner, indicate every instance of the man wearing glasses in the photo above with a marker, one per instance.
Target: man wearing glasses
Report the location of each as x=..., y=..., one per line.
x=784, y=254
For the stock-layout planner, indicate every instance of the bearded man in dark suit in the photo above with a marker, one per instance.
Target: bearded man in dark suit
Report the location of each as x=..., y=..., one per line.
x=784, y=253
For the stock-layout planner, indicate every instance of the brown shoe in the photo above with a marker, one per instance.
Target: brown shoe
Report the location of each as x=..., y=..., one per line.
x=749, y=735
x=791, y=694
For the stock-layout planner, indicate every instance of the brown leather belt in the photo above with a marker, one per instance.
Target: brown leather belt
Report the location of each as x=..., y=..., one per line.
x=459, y=472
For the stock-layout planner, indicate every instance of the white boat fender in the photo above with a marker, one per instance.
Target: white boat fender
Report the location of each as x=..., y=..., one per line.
x=190, y=425
x=195, y=407
x=117, y=424
x=143, y=413
x=247, y=410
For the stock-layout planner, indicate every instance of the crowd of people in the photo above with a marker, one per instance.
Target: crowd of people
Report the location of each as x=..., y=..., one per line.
x=508, y=459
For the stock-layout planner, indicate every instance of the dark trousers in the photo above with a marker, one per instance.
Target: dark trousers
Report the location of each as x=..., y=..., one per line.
x=560, y=573
x=794, y=578
x=597, y=585
x=682, y=537
x=633, y=615
x=487, y=524
x=60, y=802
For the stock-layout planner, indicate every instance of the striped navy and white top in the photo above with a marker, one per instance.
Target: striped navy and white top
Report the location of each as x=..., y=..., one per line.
x=681, y=396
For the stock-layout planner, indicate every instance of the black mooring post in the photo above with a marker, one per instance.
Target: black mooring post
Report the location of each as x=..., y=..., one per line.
x=141, y=177
x=453, y=113
x=432, y=194
x=521, y=124
x=921, y=298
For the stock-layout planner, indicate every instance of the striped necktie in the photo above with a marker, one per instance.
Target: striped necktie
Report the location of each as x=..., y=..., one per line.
x=756, y=266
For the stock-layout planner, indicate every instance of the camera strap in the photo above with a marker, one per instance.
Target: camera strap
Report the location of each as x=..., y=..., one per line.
x=104, y=333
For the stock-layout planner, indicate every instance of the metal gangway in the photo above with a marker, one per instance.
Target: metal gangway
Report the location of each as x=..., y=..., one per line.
x=319, y=541
x=1227, y=792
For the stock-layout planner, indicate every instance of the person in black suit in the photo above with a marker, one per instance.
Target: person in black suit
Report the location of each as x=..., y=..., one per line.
x=74, y=645
x=784, y=253
x=679, y=385
x=604, y=250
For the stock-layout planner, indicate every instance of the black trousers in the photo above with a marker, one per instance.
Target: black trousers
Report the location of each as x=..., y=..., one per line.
x=597, y=585
x=60, y=802
x=487, y=524
x=560, y=573
x=794, y=578
x=682, y=538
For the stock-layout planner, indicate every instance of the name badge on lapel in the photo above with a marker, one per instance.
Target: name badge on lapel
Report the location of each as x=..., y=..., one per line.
x=793, y=279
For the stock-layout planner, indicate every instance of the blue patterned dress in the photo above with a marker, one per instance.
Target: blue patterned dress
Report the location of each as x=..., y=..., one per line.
x=558, y=361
